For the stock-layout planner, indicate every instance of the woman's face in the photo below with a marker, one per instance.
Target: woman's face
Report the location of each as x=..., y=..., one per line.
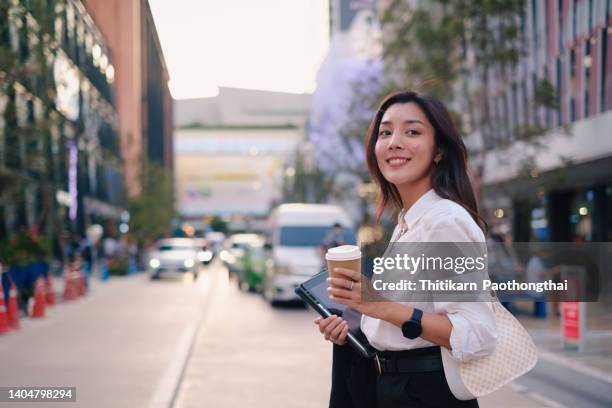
x=405, y=145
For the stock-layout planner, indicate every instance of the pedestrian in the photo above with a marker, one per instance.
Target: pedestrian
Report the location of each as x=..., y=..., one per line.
x=417, y=157
x=333, y=238
x=85, y=249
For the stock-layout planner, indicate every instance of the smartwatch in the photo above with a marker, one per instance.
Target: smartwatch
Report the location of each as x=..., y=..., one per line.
x=412, y=328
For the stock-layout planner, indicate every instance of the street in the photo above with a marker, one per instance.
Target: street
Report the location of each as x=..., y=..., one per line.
x=172, y=343
x=126, y=344
x=114, y=345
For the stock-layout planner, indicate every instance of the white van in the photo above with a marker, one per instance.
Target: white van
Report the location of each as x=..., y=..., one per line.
x=295, y=232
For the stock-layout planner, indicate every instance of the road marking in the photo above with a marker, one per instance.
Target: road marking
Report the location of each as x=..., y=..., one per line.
x=168, y=387
x=544, y=400
x=518, y=388
x=575, y=365
x=521, y=389
x=164, y=392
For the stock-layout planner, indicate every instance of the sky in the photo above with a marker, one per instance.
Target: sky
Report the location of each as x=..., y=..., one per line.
x=274, y=45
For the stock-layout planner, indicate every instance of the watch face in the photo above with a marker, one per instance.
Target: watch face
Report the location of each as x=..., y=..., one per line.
x=411, y=329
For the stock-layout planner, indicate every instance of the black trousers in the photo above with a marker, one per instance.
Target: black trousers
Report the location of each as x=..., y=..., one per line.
x=357, y=384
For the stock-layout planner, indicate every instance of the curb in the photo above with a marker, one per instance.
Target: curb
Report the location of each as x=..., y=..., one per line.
x=575, y=365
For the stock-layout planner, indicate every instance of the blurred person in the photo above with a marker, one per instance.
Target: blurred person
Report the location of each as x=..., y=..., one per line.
x=67, y=244
x=417, y=157
x=333, y=239
x=86, y=250
x=109, y=247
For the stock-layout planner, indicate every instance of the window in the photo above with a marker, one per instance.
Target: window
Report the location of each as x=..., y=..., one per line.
x=604, y=69
x=558, y=90
x=534, y=30
x=572, y=63
x=587, y=76
x=560, y=23
x=24, y=51
x=311, y=236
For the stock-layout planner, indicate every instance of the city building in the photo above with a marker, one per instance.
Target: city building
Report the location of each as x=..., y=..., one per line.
x=559, y=188
x=544, y=171
x=144, y=104
x=60, y=159
x=231, y=152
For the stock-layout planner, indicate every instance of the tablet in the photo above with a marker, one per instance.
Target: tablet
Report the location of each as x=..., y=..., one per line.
x=314, y=293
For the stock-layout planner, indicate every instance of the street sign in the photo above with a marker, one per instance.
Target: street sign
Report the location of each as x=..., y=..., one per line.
x=573, y=313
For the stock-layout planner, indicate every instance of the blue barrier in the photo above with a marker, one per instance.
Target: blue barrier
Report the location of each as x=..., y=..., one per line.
x=132, y=267
x=104, y=274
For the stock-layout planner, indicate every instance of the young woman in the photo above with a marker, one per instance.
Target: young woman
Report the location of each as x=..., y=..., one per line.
x=417, y=157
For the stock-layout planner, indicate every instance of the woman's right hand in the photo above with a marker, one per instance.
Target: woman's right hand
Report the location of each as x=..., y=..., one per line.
x=333, y=328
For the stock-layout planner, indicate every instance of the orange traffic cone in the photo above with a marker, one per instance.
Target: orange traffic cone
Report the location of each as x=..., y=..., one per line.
x=50, y=294
x=69, y=293
x=39, y=298
x=75, y=280
x=81, y=281
x=13, y=309
x=4, y=326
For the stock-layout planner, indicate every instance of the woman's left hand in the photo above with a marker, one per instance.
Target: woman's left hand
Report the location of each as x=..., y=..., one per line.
x=346, y=290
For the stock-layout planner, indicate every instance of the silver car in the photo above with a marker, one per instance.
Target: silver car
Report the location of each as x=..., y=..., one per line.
x=174, y=256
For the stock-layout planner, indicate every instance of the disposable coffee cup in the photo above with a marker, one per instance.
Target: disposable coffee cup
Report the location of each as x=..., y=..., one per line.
x=344, y=256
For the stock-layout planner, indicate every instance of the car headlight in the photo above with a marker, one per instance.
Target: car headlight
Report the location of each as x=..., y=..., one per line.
x=204, y=256
x=188, y=263
x=226, y=256
x=154, y=263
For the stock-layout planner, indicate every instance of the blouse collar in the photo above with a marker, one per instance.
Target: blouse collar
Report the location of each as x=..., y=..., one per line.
x=418, y=209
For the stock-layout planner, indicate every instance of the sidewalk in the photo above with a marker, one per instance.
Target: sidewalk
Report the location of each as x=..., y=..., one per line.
x=117, y=345
x=248, y=354
x=596, y=360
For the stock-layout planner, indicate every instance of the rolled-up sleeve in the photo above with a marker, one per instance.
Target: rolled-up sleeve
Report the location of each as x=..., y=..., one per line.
x=474, y=333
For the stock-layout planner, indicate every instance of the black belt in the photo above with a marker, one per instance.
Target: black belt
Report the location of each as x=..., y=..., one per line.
x=419, y=360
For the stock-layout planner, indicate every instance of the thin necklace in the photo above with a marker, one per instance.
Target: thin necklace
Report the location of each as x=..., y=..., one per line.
x=403, y=226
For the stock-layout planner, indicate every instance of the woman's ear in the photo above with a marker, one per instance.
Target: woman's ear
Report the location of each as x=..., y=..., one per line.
x=437, y=157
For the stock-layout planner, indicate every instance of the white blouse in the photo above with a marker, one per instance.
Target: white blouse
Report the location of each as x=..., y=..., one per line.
x=474, y=334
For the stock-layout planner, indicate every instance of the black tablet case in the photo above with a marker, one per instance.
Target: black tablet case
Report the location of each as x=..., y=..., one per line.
x=314, y=293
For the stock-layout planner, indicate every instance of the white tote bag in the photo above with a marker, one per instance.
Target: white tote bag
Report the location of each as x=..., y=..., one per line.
x=514, y=355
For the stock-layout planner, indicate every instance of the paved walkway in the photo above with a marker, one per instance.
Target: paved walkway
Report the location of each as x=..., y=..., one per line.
x=596, y=359
x=250, y=355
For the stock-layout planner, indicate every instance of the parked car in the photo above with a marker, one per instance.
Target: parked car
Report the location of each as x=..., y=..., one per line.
x=205, y=253
x=252, y=267
x=233, y=250
x=215, y=239
x=295, y=233
x=174, y=256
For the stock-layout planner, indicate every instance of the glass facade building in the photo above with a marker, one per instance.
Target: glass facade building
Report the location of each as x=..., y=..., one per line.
x=60, y=158
x=557, y=187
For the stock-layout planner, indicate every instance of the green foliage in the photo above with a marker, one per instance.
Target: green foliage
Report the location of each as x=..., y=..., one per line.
x=308, y=185
x=24, y=248
x=151, y=213
x=118, y=267
x=217, y=224
x=545, y=95
x=429, y=44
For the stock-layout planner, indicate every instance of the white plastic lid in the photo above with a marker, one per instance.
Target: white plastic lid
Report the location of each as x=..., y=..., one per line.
x=343, y=253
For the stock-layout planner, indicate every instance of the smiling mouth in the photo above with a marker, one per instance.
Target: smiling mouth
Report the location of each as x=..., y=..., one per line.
x=396, y=161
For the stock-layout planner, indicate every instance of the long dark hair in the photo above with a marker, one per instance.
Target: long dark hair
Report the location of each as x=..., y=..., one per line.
x=450, y=178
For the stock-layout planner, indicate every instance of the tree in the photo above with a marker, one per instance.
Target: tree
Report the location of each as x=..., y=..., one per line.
x=218, y=224
x=151, y=212
x=461, y=51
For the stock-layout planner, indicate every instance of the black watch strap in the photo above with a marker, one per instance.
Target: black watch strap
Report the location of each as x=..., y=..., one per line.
x=417, y=314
